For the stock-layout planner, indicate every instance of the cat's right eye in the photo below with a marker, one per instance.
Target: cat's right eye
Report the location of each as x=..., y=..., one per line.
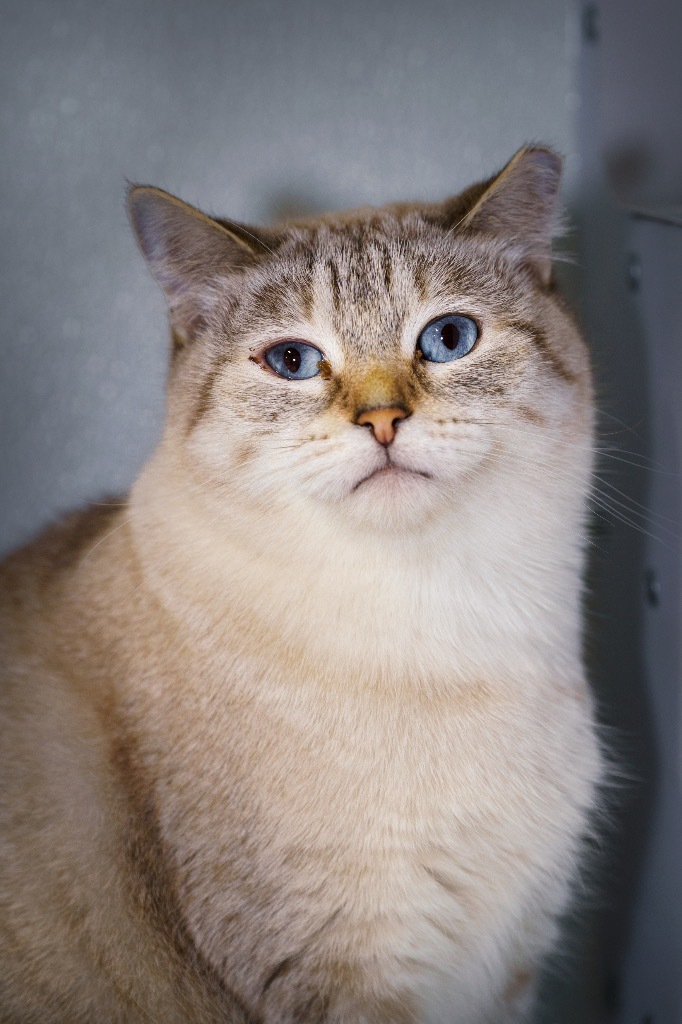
x=294, y=360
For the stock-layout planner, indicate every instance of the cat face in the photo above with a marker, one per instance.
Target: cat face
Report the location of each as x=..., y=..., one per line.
x=374, y=365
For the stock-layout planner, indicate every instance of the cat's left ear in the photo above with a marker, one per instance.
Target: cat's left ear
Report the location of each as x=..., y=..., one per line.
x=519, y=205
x=194, y=258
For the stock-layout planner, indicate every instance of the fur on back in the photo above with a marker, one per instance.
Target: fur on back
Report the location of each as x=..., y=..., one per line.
x=299, y=732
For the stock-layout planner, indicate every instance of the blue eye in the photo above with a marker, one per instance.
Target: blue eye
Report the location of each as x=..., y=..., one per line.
x=294, y=360
x=448, y=338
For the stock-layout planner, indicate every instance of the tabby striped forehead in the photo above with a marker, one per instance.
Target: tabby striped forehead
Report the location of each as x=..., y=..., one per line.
x=365, y=279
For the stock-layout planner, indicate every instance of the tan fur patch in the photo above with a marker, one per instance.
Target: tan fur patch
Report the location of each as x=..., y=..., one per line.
x=300, y=732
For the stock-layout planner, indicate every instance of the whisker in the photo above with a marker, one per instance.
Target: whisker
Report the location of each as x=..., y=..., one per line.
x=191, y=488
x=106, y=536
x=614, y=454
x=637, y=508
x=630, y=429
x=630, y=512
x=584, y=539
x=167, y=561
x=627, y=521
x=645, y=463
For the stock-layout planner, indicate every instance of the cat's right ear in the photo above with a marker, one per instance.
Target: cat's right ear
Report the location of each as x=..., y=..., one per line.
x=194, y=258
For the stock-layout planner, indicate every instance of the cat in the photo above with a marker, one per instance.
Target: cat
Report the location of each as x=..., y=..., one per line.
x=299, y=732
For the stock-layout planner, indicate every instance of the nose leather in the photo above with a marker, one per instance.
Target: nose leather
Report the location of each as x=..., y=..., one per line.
x=382, y=422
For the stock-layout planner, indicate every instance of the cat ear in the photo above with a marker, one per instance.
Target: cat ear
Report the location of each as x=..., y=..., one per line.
x=193, y=257
x=518, y=205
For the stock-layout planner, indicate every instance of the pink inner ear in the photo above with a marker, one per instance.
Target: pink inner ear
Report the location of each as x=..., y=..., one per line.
x=547, y=166
x=520, y=201
x=186, y=252
x=519, y=205
x=183, y=246
x=148, y=225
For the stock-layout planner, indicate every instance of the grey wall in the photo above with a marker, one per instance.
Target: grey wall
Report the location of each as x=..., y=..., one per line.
x=651, y=983
x=640, y=95
x=631, y=269
x=249, y=108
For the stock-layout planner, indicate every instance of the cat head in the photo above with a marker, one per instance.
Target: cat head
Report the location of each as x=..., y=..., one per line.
x=376, y=366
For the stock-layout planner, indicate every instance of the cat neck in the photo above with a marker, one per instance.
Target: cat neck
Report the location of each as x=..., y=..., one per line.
x=462, y=597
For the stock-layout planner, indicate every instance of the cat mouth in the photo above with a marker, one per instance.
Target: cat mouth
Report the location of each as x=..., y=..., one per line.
x=391, y=471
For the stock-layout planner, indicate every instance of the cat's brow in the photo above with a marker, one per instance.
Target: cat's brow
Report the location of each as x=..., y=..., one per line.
x=421, y=279
x=543, y=346
x=203, y=401
x=387, y=265
x=334, y=284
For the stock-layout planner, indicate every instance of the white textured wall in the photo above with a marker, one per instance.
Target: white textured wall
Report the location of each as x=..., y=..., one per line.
x=248, y=108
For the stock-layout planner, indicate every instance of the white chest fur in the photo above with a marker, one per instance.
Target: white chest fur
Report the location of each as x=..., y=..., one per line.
x=427, y=840
x=372, y=761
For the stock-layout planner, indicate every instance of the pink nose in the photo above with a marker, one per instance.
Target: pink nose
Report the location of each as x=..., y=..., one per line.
x=383, y=422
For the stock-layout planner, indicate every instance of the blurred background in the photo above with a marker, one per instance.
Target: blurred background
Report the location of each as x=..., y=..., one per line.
x=257, y=109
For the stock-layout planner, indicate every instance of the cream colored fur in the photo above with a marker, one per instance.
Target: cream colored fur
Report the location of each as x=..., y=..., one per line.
x=281, y=746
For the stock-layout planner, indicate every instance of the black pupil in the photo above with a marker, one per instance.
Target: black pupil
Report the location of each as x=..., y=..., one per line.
x=292, y=359
x=449, y=336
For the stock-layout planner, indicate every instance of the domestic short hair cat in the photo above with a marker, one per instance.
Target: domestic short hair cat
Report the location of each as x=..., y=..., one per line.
x=299, y=732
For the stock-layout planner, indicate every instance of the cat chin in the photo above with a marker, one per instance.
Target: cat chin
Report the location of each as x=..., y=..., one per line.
x=393, y=499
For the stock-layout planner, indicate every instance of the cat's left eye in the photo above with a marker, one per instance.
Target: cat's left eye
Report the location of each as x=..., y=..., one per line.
x=448, y=338
x=294, y=360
